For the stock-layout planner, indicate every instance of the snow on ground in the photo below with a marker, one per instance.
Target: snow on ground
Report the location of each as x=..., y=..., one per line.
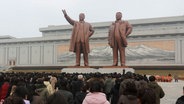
x=173, y=90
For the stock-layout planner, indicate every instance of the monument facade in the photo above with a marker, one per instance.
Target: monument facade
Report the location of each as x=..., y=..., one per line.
x=154, y=41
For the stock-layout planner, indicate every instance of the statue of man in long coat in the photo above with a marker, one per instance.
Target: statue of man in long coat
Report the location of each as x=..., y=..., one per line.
x=79, y=42
x=118, y=31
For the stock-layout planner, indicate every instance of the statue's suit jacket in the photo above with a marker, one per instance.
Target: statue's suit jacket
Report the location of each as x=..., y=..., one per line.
x=123, y=31
x=75, y=35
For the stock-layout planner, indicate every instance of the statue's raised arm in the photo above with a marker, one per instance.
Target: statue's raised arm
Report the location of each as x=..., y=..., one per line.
x=71, y=21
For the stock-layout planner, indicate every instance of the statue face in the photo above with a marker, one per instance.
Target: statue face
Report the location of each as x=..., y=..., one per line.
x=81, y=17
x=118, y=16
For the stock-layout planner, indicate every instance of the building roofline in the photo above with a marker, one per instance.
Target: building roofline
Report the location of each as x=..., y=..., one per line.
x=106, y=24
x=7, y=37
x=33, y=39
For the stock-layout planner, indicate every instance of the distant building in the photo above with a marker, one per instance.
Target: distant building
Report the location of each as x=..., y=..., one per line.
x=154, y=41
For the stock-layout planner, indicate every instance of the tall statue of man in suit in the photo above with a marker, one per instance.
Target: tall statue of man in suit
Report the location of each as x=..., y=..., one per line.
x=79, y=42
x=118, y=31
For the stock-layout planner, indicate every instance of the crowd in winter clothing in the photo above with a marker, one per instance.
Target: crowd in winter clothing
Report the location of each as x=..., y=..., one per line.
x=77, y=88
x=167, y=78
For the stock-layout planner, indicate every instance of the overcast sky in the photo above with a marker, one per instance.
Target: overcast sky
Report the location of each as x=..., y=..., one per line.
x=23, y=18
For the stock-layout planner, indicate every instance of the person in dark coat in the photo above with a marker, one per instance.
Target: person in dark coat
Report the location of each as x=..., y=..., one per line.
x=180, y=100
x=81, y=95
x=14, y=100
x=76, y=85
x=115, y=92
x=109, y=83
x=63, y=90
x=41, y=93
x=147, y=96
x=56, y=98
x=158, y=89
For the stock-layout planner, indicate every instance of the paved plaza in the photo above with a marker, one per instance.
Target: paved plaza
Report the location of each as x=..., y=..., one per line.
x=172, y=91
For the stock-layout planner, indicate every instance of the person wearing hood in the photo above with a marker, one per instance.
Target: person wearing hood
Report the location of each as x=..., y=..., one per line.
x=95, y=96
x=129, y=93
x=158, y=89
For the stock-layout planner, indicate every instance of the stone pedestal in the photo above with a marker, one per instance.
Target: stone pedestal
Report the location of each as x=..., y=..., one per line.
x=74, y=69
x=94, y=69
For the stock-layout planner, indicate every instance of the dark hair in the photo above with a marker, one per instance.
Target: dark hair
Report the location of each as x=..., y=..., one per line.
x=21, y=91
x=56, y=98
x=63, y=82
x=14, y=100
x=129, y=74
x=130, y=88
x=96, y=85
x=152, y=78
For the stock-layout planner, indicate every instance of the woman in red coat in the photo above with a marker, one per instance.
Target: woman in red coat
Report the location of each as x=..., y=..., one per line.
x=4, y=89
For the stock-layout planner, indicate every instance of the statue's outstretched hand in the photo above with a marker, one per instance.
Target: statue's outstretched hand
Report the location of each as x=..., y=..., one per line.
x=64, y=12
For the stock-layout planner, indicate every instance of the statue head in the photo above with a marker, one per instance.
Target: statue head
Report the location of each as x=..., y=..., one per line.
x=81, y=17
x=118, y=16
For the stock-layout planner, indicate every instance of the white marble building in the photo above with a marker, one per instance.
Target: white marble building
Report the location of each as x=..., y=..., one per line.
x=153, y=41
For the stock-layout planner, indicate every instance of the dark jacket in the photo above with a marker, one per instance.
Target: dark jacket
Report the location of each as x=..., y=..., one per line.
x=37, y=100
x=180, y=100
x=158, y=90
x=68, y=96
x=109, y=83
x=128, y=99
x=76, y=86
x=80, y=97
x=43, y=93
x=115, y=94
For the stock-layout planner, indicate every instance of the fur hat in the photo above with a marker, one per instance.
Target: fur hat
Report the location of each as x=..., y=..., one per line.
x=80, y=76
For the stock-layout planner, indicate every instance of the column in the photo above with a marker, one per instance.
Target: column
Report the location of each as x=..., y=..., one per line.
x=182, y=52
x=178, y=51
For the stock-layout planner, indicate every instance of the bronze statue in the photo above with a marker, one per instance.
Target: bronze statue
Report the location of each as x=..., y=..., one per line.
x=79, y=42
x=118, y=31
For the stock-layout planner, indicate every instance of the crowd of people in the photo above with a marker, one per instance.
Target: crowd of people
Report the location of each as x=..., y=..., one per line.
x=77, y=88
